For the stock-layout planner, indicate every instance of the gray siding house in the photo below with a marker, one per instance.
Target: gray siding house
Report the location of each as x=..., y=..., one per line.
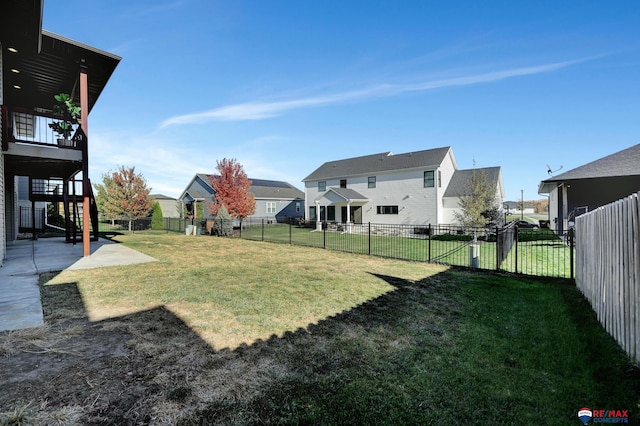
x=422, y=187
x=592, y=185
x=275, y=200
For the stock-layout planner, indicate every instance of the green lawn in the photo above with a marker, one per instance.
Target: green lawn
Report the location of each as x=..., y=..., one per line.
x=540, y=252
x=341, y=338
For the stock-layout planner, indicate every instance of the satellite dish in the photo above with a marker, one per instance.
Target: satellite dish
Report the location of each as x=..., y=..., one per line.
x=552, y=171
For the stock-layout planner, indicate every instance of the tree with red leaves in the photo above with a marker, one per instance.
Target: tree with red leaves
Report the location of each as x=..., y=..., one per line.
x=231, y=188
x=124, y=193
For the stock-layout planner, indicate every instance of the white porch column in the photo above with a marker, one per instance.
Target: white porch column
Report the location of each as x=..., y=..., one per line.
x=318, y=221
x=348, y=222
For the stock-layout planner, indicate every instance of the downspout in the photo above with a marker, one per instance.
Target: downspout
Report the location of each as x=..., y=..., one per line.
x=438, y=200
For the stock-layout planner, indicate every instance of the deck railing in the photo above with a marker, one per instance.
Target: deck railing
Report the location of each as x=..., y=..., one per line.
x=33, y=127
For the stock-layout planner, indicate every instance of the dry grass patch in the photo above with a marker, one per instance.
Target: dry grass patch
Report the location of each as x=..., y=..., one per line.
x=233, y=291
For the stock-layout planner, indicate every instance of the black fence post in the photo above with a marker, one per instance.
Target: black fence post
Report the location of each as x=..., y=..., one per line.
x=515, y=237
x=262, y=221
x=497, y=249
x=429, y=232
x=290, y=232
x=369, y=238
x=324, y=236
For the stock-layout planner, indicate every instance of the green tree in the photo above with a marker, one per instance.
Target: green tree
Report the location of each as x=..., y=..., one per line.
x=157, y=221
x=123, y=193
x=106, y=209
x=479, y=204
x=223, y=224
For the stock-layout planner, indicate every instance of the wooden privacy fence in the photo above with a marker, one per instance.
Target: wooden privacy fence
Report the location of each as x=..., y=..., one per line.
x=608, y=268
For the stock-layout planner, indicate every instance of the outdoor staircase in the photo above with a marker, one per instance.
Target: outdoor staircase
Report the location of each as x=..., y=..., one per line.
x=69, y=193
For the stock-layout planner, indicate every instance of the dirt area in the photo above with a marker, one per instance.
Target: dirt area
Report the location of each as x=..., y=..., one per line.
x=146, y=368
x=150, y=368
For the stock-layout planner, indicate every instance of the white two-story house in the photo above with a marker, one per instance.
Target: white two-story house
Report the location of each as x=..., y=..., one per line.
x=413, y=188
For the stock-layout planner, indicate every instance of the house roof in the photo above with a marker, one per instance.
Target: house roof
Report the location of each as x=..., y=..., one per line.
x=47, y=63
x=459, y=184
x=347, y=193
x=160, y=197
x=375, y=163
x=260, y=188
x=622, y=163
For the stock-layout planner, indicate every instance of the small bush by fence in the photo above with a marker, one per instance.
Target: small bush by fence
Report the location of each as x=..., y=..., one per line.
x=608, y=268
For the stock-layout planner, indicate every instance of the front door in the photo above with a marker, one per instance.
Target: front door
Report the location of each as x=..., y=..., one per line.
x=355, y=213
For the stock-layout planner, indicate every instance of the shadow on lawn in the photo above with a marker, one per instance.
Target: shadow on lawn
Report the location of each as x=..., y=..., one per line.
x=619, y=371
x=150, y=365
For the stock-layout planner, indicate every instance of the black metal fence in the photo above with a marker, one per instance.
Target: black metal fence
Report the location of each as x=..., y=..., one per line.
x=133, y=224
x=539, y=252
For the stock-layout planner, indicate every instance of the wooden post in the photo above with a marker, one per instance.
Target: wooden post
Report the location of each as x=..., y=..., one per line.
x=84, y=114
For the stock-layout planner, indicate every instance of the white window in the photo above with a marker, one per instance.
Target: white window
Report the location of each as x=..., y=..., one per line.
x=271, y=207
x=387, y=209
x=429, y=179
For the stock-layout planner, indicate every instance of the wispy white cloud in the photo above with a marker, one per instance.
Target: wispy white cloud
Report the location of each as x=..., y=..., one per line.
x=263, y=110
x=169, y=167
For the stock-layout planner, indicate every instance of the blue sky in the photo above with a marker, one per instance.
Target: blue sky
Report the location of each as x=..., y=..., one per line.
x=284, y=86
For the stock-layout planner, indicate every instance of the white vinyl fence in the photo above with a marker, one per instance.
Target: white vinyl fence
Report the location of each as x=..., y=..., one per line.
x=608, y=268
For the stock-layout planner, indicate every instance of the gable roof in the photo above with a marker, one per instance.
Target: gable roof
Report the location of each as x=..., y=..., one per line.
x=459, y=184
x=160, y=197
x=382, y=162
x=347, y=193
x=260, y=188
x=621, y=163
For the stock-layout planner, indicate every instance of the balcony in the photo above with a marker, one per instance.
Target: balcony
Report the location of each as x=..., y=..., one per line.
x=32, y=148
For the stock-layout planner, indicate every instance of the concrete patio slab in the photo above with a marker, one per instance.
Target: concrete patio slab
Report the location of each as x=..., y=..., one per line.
x=20, y=305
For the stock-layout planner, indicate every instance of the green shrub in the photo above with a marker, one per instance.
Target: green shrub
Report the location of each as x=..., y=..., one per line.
x=536, y=235
x=452, y=237
x=156, y=217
